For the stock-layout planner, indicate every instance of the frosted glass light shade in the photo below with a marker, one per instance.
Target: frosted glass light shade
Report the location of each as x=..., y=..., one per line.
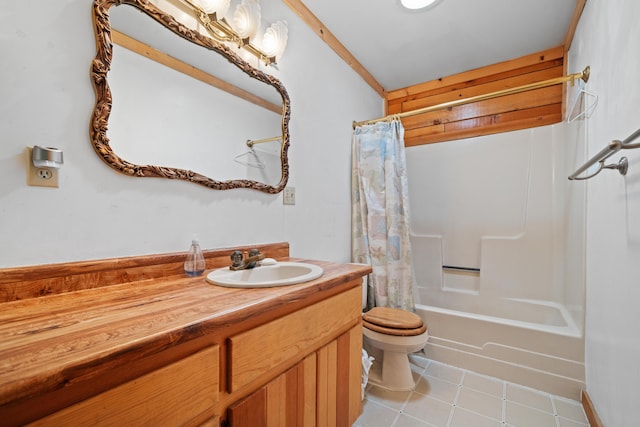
x=220, y=7
x=274, y=40
x=246, y=18
x=417, y=4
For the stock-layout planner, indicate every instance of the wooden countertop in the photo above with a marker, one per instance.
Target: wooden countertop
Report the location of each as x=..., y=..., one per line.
x=51, y=342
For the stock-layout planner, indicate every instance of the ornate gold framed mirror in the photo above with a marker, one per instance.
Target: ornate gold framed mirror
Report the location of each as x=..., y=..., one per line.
x=142, y=127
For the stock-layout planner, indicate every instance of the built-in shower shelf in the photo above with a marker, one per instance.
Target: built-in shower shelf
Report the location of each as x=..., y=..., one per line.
x=461, y=269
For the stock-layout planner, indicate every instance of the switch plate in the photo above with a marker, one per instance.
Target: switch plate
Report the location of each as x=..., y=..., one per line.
x=40, y=177
x=289, y=196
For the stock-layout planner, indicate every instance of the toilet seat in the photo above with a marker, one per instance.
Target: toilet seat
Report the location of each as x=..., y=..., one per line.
x=393, y=321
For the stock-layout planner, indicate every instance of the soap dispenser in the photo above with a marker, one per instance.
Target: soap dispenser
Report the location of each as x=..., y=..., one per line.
x=194, y=263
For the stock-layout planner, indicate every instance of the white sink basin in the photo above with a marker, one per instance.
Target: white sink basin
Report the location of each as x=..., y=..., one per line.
x=280, y=274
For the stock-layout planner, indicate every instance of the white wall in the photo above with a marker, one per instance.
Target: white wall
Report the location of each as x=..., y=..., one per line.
x=608, y=39
x=47, y=99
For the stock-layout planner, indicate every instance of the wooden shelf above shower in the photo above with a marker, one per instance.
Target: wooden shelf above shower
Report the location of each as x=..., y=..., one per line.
x=507, y=113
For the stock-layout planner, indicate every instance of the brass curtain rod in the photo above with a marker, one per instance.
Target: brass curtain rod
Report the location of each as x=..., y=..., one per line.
x=584, y=76
x=252, y=142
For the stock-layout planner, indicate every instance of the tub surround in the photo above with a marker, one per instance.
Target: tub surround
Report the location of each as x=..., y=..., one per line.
x=119, y=337
x=520, y=222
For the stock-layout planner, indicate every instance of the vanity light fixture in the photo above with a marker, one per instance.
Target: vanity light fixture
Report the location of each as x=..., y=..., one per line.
x=246, y=21
x=418, y=4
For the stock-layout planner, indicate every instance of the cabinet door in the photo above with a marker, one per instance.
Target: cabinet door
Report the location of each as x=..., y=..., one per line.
x=323, y=390
x=339, y=378
x=287, y=401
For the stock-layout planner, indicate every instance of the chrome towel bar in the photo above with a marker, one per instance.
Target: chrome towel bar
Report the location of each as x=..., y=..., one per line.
x=614, y=146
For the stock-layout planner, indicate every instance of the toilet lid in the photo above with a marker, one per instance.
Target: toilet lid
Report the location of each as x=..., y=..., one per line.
x=393, y=321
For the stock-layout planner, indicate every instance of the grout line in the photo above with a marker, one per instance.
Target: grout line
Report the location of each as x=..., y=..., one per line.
x=396, y=419
x=504, y=402
x=404, y=404
x=454, y=405
x=455, y=400
x=553, y=405
x=555, y=410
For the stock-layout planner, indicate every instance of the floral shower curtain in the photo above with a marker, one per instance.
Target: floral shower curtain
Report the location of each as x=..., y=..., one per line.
x=380, y=213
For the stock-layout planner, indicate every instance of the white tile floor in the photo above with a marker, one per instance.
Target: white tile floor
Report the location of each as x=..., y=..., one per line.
x=446, y=396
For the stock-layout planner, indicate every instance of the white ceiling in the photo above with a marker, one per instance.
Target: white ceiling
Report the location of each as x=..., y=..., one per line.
x=402, y=48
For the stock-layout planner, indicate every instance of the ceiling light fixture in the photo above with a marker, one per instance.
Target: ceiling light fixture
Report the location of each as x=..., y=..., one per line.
x=418, y=4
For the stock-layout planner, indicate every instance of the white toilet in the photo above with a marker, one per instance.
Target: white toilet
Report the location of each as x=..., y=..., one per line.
x=390, y=335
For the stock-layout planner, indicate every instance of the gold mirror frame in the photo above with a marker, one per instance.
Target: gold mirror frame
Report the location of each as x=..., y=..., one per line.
x=100, y=118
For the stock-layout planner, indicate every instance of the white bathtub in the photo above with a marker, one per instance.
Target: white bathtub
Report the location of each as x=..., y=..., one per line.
x=533, y=343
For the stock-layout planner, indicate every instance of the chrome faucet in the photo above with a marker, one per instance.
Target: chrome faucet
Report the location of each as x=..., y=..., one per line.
x=240, y=262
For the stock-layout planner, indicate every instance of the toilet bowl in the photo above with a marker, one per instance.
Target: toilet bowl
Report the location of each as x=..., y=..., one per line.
x=390, y=335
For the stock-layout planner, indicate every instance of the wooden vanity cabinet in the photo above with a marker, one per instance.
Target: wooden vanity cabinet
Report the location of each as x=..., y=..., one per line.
x=132, y=341
x=300, y=369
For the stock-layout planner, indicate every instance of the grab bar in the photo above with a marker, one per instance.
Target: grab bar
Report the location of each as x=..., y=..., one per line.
x=614, y=146
x=455, y=268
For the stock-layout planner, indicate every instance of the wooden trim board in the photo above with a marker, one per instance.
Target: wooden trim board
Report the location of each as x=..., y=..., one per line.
x=590, y=410
x=153, y=54
x=577, y=13
x=327, y=36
